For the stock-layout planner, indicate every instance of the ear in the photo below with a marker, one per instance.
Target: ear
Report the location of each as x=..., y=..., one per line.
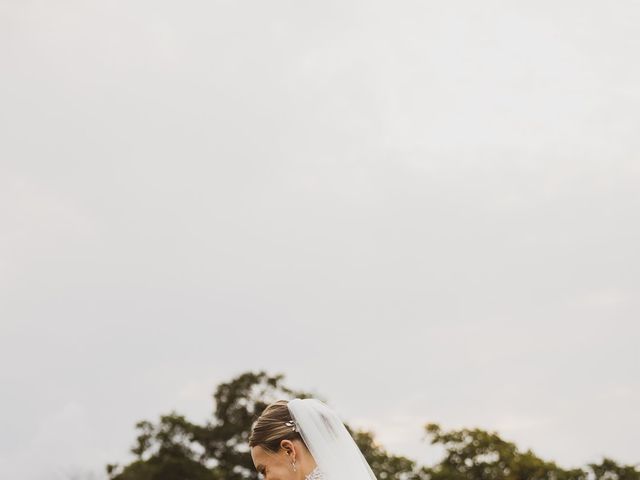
x=289, y=449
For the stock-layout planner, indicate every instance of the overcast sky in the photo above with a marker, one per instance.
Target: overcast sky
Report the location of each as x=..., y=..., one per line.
x=423, y=211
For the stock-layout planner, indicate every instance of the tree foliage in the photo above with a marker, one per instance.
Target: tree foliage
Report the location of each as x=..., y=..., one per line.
x=175, y=448
x=386, y=466
x=474, y=454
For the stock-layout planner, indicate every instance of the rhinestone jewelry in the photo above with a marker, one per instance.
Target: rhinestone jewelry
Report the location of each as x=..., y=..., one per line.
x=314, y=475
x=292, y=424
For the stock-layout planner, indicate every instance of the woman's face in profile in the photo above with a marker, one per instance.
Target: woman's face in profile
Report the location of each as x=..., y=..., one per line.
x=271, y=465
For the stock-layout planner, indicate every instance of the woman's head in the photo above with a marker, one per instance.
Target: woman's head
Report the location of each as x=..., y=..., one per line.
x=277, y=450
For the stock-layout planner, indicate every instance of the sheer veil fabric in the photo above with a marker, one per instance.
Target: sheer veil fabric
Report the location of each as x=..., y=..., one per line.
x=329, y=442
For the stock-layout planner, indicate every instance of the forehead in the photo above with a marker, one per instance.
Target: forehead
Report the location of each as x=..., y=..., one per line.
x=259, y=455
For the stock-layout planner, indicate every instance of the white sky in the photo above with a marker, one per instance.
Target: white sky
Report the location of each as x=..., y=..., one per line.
x=424, y=211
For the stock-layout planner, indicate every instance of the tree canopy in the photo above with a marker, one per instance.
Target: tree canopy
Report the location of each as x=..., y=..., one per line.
x=175, y=448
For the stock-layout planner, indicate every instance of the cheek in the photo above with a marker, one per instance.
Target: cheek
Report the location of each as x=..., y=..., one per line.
x=279, y=471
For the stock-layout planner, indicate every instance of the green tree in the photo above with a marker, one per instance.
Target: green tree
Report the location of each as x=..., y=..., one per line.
x=384, y=465
x=165, y=451
x=177, y=449
x=610, y=470
x=474, y=454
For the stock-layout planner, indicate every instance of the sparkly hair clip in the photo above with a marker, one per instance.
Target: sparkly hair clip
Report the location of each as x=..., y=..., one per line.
x=293, y=425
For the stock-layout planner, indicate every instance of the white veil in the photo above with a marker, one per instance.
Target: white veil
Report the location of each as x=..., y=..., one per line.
x=328, y=440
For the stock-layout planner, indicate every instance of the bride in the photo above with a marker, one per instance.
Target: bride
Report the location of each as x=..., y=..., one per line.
x=303, y=439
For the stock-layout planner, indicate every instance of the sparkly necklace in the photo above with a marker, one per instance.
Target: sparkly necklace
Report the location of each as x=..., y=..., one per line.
x=314, y=475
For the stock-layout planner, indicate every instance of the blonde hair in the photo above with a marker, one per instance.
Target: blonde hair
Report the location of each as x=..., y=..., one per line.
x=271, y=427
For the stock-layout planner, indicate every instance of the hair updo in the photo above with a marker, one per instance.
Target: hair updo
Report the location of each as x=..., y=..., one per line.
x=271, y=427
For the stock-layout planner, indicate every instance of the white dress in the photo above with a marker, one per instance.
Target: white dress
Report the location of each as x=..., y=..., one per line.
x=316, y=474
